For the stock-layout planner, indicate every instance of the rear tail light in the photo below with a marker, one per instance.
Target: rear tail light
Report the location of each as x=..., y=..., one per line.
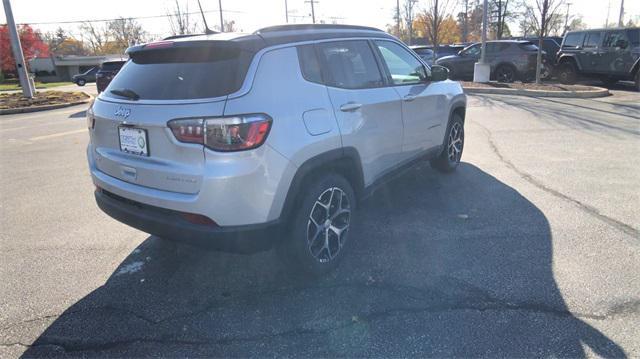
x=234, y=133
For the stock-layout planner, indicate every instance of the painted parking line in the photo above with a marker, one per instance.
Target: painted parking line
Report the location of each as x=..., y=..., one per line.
x=54, y=135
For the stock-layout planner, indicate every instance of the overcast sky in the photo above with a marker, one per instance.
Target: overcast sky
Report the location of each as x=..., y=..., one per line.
x=253, y=14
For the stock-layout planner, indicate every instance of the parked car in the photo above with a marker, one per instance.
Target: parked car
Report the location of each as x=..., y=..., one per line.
x=105, y=74
x=510, y=60
x=87, y=76
x=243, y=142
x=550, y=45
x=425, y=53
x=610, y=55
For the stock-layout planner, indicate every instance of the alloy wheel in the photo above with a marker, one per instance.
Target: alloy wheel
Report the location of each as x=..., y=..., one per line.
x=328, y=224
x=455, y=143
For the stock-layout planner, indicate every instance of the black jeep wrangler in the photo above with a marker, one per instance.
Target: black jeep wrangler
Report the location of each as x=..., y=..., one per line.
x=610, y=55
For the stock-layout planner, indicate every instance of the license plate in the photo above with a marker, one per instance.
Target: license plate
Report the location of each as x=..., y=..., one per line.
x=134, y=140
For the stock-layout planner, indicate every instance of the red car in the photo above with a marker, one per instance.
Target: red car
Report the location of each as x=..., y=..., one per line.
x=107, y=71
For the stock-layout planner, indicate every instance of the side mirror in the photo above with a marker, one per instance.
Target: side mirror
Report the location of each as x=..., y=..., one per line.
x=439, y=73
x=461, y=53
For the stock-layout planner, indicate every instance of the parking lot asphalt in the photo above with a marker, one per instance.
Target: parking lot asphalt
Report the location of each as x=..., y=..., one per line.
x=530, y=249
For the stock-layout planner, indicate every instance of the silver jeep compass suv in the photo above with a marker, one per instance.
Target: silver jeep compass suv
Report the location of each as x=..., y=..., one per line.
x=246, y=141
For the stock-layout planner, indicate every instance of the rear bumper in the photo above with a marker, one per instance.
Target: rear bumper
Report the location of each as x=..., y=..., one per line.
x=171, y=225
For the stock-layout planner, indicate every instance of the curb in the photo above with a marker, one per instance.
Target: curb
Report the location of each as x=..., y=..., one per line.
x=12, y=111
x=597, y=92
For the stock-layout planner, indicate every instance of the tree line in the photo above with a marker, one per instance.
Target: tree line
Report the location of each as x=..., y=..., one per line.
x=460, y=21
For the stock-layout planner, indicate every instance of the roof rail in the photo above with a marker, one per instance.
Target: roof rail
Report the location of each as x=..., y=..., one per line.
x=297, y=27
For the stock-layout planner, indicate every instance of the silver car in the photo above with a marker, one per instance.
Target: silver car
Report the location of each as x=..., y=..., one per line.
x=244, y=142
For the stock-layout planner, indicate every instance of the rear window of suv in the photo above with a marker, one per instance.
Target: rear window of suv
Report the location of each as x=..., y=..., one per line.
x=183, y=73
x=111, y=66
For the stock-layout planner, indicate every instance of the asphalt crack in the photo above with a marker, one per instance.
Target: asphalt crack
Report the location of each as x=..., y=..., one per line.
x=537, y=183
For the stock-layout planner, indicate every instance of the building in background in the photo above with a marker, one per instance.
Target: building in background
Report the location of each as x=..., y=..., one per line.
x=62, y=68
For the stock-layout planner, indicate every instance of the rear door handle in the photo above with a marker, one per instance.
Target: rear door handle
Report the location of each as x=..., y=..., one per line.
x=409, y=98
x=350, y=106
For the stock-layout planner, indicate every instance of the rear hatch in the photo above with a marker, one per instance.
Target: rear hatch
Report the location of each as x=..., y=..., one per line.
x=159, y=83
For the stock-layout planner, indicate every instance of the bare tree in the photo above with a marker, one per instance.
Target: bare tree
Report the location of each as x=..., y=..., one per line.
x=433, y=17
x=543, y=13
x=126, y=32
x=407, y=8
x=502, y=15
x=180, y=20
x=95, y=36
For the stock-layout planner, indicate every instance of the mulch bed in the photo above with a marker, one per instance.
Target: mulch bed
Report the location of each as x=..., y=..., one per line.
x=15, y=100
x=527, y=86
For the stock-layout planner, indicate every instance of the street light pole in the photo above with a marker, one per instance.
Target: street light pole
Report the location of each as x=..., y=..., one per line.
x=398, y=18
x=221, y=21
x=482, y=70
x=485, y=7
x=286, y=12
x=27, y=91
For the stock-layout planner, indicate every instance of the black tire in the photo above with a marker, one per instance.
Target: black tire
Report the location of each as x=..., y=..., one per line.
x=311, y=257
x=567, y=73
x=506, y=73
x=81, y=82
x=449, y=158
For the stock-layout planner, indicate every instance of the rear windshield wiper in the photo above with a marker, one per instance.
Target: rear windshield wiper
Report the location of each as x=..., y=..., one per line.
x=126, y=93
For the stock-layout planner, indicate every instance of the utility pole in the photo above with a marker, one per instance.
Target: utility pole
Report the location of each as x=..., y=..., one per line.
x=621, y=18
x=313, y=12
x=286, y=12
x=27, y=91
x=606, y=24
x=566, y=20
x=221, y=21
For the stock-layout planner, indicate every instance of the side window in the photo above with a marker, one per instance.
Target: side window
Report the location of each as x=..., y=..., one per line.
x=309, y=64
x=634, y=36
x=591, y=40
x=614, y=39
x=404, y=68
x=473, y=50
x=350, y=64
x=573, y=40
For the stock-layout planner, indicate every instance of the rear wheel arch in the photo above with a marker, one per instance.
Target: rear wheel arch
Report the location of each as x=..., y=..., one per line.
x=343, y=161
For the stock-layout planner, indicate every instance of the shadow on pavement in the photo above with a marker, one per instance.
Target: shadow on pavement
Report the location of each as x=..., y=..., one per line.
x=457, y=265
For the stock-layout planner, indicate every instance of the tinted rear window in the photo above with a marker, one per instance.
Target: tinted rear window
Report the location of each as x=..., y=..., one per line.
x=573, y=40
x=528, y=46
x=111, y=66
x=309, y=64
x=183, y=73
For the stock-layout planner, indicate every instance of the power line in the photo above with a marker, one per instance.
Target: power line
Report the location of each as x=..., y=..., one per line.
x=124, y=18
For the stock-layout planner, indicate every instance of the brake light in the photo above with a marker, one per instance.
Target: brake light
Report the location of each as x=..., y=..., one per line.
x=158, y=44
x=234, y=133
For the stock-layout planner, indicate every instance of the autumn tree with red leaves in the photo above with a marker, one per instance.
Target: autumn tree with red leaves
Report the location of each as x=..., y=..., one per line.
x=32, y=46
